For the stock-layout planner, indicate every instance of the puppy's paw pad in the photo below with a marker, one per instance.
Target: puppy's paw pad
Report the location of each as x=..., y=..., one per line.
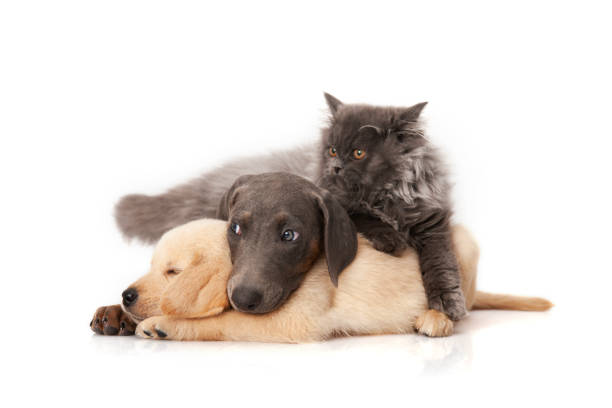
x=152, y=328
x=127, y=327
x=145, y=333
x=433, y=323
x=96, y=323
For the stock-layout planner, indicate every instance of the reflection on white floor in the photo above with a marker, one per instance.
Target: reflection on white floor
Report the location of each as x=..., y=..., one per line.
x=414, y=355
x=505, y=358
x=419, y=355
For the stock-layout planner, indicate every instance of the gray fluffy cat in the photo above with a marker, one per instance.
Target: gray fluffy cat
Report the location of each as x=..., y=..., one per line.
x=378, y=164
x=375, y=160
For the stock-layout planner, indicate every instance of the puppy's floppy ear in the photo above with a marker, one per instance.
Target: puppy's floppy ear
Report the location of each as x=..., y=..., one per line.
x=332, y=102
x=412, y=113
x=229, y=198
x=340, y=234
x=199, y=290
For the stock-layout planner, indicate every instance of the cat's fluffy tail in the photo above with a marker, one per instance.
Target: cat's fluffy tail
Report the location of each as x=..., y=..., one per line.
x=141, y=216
x=147, y=217
x=486, y=300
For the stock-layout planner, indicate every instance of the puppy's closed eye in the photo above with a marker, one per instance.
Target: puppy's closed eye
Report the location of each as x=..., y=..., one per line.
x=172, y=272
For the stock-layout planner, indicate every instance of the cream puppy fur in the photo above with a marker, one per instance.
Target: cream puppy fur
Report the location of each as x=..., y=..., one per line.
x=377, y=294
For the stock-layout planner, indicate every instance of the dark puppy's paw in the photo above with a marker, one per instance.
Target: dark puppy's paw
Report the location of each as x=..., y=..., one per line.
x=451, y=303
x=112, y=321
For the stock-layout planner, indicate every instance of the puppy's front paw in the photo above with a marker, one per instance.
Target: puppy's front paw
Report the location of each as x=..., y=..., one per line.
x=451, y=303
x=156, y=328
x=112, y=321
x=433, y=323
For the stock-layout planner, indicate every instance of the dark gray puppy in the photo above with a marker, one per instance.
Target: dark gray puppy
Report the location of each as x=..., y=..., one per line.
x=279, y=224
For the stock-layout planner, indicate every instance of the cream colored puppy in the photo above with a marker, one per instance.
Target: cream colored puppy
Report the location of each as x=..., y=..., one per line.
x=377, y=294
x=188, y=275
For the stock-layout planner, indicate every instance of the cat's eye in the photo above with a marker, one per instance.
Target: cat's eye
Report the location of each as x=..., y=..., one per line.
x=333, y=152
x=359, y=154
x=236, y=228
x=289, y=235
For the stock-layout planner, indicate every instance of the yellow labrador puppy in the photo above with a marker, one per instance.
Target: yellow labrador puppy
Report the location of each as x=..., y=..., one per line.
x=183, y=297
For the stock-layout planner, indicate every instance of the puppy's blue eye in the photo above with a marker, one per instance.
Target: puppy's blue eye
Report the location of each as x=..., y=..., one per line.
x=289, y=235
x=236, y=228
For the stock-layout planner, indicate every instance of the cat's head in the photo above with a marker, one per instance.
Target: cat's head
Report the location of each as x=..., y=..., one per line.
x=364, y=146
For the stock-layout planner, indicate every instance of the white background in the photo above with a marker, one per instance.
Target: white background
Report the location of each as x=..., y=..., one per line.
x=100, y=99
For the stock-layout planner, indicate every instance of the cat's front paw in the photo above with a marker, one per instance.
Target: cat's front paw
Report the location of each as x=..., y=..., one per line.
x=451, y=303
x=388, y=242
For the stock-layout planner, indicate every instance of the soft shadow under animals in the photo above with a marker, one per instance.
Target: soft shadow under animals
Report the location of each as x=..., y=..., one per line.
x=413, y=353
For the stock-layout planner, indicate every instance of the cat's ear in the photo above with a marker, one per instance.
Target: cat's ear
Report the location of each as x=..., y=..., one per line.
x=333, y=103
x=412, y=113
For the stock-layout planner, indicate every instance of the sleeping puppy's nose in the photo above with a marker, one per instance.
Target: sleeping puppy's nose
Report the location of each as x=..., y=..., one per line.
x=129, y=296
x=245, y=298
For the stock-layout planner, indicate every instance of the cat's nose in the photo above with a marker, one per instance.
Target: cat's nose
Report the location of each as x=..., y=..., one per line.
x=337, y=169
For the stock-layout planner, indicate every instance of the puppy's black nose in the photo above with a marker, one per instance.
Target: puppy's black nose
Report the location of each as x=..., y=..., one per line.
x=246, y=299
x=129, y=296
x=337, y=169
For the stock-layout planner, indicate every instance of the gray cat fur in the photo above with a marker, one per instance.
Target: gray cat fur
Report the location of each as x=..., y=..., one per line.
x=398, y=194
